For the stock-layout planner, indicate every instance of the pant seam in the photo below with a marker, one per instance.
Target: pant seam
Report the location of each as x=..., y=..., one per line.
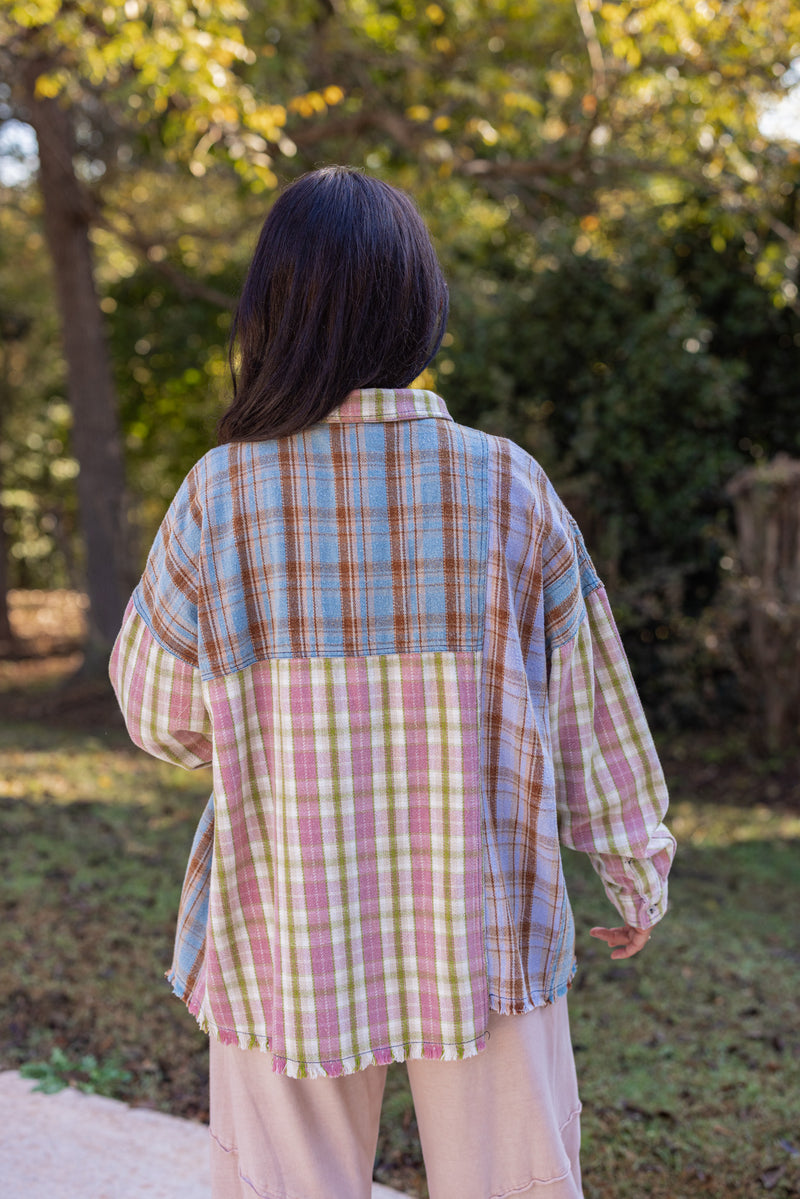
x=270, y=1194
x=542, y=1182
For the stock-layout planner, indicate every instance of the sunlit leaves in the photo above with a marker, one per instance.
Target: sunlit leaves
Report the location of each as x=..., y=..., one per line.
x=176, y=70
x=313, y=103
x=30, y=13
x=51, y=84
x=629, y=88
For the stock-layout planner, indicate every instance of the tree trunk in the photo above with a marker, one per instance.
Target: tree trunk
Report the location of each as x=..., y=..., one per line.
x=95, y=436
x=6, y=636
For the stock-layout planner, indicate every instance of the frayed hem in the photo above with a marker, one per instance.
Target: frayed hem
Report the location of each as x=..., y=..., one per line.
x=518, y=1007
x=381, y=1056
x=191, y=998
x=178, y=984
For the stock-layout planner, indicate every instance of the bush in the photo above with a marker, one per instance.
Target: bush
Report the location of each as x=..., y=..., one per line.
x=635, y=394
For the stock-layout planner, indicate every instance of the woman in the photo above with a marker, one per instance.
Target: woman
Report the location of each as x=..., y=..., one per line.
x=383, y=632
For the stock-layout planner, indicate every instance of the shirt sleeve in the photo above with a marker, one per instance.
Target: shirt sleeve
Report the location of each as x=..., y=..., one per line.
x=610, y=788
x=168, y=591
x=160, y=696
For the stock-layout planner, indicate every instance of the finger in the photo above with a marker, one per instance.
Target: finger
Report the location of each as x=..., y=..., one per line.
x=626, y=952
x=637, y=940
x=613, y=936
x=625, y=941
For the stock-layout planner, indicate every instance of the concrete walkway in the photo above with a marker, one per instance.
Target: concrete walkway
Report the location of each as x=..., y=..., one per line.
x=75, y=1146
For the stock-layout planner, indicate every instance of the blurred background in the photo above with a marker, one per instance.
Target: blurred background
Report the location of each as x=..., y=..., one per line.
x=614, y=192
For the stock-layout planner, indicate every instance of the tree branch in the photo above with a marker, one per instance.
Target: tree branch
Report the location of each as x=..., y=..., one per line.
x=593, y=47
x=193, y=289
x=186, y=286
x=786, y=234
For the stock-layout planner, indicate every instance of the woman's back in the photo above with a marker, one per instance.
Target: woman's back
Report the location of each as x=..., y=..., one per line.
x=384, y=634
x=370, y=608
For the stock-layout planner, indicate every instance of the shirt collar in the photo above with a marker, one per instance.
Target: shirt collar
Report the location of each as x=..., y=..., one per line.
x=379, y=404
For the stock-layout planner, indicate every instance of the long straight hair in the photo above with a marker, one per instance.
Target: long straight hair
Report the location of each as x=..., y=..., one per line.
x=344, y=291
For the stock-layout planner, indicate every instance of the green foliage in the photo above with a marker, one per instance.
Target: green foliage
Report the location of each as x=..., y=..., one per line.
x=603, y=375
x=642, y=370
x=148, y=58
x=85, y=1073
x=745, y=326
x=172, y=377
x=37, y=471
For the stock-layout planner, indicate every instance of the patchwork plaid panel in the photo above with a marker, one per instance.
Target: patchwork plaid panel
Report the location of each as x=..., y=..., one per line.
x=346, y=921
x=351, y=538
x=338, y=592
x=535, y=582
x=382, y=404
x=566, y=742
x=171, y=571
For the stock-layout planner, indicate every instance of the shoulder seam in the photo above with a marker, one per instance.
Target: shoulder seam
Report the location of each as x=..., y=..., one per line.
x=142, y=612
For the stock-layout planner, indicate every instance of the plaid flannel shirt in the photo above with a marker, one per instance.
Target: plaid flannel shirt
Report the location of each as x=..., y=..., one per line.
x=386, y=638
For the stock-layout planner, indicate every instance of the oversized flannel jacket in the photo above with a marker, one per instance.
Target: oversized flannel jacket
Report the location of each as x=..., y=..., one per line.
x=386, y=638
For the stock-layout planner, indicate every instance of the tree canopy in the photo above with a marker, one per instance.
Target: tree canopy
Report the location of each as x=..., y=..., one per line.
x=620, y=234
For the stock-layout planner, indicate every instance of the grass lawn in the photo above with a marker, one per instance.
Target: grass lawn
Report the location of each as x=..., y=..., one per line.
x=688, y=1055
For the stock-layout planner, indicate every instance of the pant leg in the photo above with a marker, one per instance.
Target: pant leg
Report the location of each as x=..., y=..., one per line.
x=275, y=1137
x=506, y=1122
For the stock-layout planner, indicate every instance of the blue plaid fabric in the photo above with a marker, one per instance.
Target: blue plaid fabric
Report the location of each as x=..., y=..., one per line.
x=301, y=540
x=190, y=936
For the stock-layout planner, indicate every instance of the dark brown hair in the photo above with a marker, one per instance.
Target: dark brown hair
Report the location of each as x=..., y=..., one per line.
x=344, y=291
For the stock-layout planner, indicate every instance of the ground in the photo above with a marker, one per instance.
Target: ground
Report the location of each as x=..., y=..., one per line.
x=688, y=1055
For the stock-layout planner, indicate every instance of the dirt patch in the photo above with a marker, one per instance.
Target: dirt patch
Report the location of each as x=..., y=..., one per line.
x=726, y=766
x=46, y=623
x=43, y=673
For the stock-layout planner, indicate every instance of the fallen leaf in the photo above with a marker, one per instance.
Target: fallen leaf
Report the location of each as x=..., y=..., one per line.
x=771, y=1177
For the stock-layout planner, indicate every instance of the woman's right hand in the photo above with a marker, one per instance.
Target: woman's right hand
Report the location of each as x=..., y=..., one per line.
x=625, y=941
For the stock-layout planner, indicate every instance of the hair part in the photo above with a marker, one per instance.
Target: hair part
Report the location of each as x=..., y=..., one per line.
x=344, y=291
